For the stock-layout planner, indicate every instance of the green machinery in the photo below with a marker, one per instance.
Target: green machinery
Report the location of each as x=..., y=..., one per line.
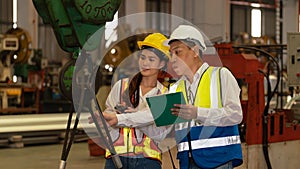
x=74, y=22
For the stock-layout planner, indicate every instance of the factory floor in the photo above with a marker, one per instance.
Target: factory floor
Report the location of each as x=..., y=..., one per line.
x=48, y=157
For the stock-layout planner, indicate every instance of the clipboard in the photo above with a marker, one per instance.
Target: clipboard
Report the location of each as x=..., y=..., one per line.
x=160, y=106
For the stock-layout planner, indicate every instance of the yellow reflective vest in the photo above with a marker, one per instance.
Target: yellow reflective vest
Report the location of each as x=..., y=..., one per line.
x=127, y=143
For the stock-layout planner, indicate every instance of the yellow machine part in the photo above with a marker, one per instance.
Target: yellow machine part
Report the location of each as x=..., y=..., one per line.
x=25, y=45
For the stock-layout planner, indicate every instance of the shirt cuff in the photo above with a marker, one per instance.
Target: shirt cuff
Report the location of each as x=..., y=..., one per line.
x=202, y=114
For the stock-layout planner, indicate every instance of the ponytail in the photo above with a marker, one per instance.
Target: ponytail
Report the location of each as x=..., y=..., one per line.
x=131, y=95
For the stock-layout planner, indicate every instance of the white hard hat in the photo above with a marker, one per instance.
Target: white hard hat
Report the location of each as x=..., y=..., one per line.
x=189, y=33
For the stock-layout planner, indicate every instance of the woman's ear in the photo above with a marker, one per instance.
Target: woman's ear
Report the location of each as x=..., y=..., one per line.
x=162, y=64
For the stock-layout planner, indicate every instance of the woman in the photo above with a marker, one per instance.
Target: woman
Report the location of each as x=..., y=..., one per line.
x=135, y=148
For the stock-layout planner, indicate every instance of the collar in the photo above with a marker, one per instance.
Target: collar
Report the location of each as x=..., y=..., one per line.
x=158, y=89
x=198, y=73
x=159, y=86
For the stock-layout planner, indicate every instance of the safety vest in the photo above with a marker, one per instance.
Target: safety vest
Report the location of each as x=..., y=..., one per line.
x=127, y=143
x=211, y=146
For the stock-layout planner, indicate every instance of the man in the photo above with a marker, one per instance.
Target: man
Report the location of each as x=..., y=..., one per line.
x=211, y=138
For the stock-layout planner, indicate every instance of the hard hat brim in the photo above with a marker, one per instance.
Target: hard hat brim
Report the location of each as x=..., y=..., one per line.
x=166, y=42
x=142, y=43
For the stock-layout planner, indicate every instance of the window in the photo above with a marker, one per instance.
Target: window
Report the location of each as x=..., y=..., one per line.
x=242, y=22
x=111, y=31
x=256, y=23
x=159, y=22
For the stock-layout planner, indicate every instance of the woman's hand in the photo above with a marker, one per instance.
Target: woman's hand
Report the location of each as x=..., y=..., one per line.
x=185, y=111
x=122, y=108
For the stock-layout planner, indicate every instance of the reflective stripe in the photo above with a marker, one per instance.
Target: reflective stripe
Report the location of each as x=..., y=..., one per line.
x=124, y=85
x=207, y=143
x=148, y=151
x=136, y=150
x=214, y=100
x=163, y=90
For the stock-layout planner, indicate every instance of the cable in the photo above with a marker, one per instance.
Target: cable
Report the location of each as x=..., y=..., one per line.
x=64, y=154
x=270, y=57
x=270, y=95
x=265, y=124
x=172, y=161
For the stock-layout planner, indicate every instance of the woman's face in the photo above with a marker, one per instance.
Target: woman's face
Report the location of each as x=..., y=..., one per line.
x=150, y=63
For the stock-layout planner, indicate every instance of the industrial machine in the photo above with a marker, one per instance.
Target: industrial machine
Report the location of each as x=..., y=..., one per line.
x=8, y=44
x=294, y=58
x=271, y=135
x=15, y=48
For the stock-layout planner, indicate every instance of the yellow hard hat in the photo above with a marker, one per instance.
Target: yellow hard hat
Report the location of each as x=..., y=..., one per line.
x=155, y=40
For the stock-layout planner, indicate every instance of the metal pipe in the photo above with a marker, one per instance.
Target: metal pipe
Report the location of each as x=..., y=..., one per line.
x=62, y=164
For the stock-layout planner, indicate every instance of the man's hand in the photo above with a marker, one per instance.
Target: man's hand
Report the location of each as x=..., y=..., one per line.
x=185, y=111
x=111, y=118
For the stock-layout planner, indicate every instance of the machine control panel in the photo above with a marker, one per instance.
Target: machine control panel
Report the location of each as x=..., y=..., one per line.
x=293, y=63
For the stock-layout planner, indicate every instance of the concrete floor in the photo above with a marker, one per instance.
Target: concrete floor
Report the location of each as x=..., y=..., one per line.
x=48, y=157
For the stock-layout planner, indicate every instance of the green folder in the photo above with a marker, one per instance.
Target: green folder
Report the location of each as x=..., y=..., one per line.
x=160, y=106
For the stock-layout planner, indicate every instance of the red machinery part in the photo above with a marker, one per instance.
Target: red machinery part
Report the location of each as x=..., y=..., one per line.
x=245, y=67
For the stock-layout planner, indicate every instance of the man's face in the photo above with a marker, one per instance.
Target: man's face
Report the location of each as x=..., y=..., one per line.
x=181, y=57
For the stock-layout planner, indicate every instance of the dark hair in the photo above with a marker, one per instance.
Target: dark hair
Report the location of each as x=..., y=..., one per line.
x=131, y=95
x=191, y=43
